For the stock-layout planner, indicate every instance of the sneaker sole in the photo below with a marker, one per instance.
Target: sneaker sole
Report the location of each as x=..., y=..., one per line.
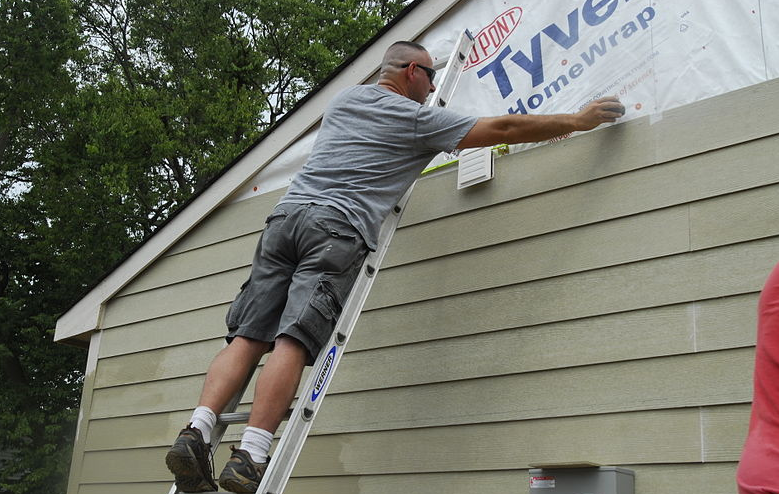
x=237, y=483
x=189, y=477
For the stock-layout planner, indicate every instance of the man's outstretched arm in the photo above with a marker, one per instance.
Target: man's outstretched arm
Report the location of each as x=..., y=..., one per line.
x=512, y=129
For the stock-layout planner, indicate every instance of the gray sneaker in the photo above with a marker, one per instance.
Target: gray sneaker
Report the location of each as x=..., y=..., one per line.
x=189, y=459
x=242, y=474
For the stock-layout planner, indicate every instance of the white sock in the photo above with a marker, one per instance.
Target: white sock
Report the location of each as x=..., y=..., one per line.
x=204, y=420
x=257, y=442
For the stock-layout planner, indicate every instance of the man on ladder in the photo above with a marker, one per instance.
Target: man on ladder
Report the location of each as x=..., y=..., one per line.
x=373, y=143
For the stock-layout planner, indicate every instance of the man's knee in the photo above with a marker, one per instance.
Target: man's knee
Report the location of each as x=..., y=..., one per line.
x=247, y=346
x=289, y=342
x=290, y=345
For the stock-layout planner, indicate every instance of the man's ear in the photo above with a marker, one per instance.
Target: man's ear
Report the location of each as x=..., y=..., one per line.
x=411, y=71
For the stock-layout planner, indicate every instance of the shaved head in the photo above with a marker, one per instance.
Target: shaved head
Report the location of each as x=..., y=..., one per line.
x=406, y=69
x=399, y=53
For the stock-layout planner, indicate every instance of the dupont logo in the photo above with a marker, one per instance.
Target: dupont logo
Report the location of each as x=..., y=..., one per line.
x=491, y=38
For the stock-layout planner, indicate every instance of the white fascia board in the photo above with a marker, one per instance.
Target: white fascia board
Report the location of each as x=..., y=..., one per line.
x=84, y=316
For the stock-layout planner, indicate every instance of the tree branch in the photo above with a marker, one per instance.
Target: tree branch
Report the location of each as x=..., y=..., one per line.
x=14, y=178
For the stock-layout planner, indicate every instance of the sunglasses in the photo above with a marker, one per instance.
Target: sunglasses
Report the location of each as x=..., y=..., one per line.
x=430, y=72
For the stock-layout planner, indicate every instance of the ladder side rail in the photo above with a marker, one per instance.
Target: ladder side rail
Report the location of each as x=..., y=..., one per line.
x=291, y=444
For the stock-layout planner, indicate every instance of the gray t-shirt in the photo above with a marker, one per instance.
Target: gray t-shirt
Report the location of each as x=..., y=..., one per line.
x=372, y=145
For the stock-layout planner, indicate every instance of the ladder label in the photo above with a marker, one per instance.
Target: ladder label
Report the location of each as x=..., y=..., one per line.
x=324, y=374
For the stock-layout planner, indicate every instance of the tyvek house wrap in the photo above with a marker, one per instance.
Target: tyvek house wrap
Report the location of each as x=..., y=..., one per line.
x=537, y=56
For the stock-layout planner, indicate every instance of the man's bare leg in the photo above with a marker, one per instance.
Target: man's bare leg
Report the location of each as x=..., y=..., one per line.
x=228, y=371
x=188, y=458
x=277, y=384
x=273, y=394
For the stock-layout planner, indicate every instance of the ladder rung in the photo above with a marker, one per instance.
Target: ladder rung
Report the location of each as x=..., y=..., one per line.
x=241, y=417
x=233, y=418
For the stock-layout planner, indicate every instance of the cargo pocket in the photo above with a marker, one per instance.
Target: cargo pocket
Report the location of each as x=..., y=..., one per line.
x=232, y=319
x=320, y=315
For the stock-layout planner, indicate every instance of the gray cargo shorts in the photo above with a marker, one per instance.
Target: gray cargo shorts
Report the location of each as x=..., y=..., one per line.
x=306, y=262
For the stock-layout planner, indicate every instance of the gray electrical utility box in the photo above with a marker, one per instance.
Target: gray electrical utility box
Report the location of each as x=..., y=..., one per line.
x=592, y=480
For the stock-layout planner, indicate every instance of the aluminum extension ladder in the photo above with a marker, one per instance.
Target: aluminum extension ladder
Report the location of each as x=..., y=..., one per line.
x=302, y=416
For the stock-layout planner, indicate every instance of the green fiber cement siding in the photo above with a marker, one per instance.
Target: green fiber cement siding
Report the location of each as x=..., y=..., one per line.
x=652, y=437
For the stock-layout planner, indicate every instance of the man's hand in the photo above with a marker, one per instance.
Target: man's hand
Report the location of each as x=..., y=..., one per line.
x=603, y=110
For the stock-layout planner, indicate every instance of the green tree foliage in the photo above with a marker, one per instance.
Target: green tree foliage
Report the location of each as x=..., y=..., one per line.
x=112, y=114
x=40, y=381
